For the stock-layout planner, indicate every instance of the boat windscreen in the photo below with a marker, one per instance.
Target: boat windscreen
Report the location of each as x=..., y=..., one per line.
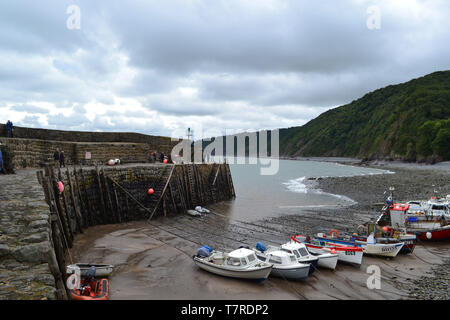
x=234, y=261
x=292, y=252
x=303, y=252
x=274, y=259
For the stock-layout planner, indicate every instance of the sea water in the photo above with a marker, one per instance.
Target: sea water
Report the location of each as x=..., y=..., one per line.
x=291, y=189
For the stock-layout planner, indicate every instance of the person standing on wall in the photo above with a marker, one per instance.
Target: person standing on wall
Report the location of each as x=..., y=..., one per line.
x=9, y=129
x=56, y=157
x=61, y=159
x=161, y=157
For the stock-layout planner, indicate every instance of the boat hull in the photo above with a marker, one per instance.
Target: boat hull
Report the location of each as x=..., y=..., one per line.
x=347, y=252
x=436, y=234
x=382, y=249
x=326, y=260
x=101, y=292
x=296, y=273
x=101, y=270
x=258, y=274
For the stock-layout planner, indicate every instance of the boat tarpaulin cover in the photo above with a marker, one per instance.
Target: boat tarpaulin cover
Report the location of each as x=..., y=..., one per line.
x=261, y=247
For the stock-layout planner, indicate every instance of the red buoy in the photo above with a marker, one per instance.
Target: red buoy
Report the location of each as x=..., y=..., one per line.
x=385, y=229
x=165, y=160
x=151, y=191
x=60, y=187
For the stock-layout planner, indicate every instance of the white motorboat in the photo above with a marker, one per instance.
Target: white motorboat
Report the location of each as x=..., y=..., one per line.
x=348, y=252
x=300, y=252
x=372, y=247
x=285, y=265
x=102, y=270
x=327, y=259
x=241, y=263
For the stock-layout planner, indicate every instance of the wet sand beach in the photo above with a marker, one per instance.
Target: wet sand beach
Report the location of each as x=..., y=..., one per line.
x=154, y=261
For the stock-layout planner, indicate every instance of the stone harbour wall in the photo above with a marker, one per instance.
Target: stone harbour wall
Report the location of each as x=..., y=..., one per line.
x=33, y=153
x=87, y=136
x=28, y=264
x=38, y=223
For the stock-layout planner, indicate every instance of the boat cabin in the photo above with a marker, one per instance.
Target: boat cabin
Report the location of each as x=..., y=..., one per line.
x=279, y=257
x=295, y=248
x=241, y=257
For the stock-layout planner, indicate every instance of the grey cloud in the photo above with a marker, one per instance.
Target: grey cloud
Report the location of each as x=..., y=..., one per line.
x=255, y=64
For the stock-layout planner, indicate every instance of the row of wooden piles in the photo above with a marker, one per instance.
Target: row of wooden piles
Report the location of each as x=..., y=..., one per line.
x=99, y=196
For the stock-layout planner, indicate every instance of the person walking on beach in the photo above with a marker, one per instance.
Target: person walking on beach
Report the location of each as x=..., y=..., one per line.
x=56, y=157
x=61, y=159
x=9, y=129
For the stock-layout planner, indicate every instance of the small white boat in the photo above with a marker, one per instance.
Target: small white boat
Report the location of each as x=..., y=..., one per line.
x=193, y=213
x=285, y=265
x=380, y=249
x=102, y=270
x=327, y=259
x=201, y=209
x=241, y=263
x=347, y=252
x=300, y=252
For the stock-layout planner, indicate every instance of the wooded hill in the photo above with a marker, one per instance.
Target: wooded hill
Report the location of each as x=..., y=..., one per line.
x=408, y=121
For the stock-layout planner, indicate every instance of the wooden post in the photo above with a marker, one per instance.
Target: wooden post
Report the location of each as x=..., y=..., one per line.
x=163, y=192
x=74, y=203
x=90, y=208
x=83, y=210
x=164, y=205
x=175, y=208
x=128, y=208
x=102, y=200
x=55, y=206
x=108, y=196
x=117, y=203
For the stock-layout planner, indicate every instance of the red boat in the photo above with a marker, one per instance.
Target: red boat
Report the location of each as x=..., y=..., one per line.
x=88, y=288
x=434, y=228
x=94, y=290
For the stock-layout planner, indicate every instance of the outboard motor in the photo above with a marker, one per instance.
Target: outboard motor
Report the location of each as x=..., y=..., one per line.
x=203, y=252
x=90, y=274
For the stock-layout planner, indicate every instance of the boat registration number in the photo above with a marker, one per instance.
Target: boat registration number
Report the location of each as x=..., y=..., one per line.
x=350, y=253
x=387, y=249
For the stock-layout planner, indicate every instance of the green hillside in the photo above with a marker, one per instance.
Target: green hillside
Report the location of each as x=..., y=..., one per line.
x=408, y=121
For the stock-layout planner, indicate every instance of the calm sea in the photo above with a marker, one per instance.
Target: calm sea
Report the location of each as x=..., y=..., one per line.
x=288, y=191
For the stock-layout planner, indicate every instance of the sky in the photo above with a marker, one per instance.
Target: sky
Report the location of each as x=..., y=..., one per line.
x=219, y=67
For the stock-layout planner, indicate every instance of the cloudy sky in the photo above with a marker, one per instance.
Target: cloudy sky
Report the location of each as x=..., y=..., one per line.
x=158, y=67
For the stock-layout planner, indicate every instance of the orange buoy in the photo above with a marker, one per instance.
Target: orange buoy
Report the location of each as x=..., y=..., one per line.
x=333, y=251
x=385, y=229
x=165, y=161
x=334, y=231
x=60, y=187
x=151, y=191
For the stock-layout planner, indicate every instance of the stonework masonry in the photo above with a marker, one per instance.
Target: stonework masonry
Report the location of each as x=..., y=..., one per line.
x=38, y=223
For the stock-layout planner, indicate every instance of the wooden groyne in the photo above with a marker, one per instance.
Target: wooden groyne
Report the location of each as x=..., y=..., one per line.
x=109, y=195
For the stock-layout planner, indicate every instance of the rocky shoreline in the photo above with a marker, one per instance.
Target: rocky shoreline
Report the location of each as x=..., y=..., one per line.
x=410, y=183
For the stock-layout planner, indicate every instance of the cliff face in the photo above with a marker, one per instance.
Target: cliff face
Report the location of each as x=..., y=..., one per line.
x=408, y=121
